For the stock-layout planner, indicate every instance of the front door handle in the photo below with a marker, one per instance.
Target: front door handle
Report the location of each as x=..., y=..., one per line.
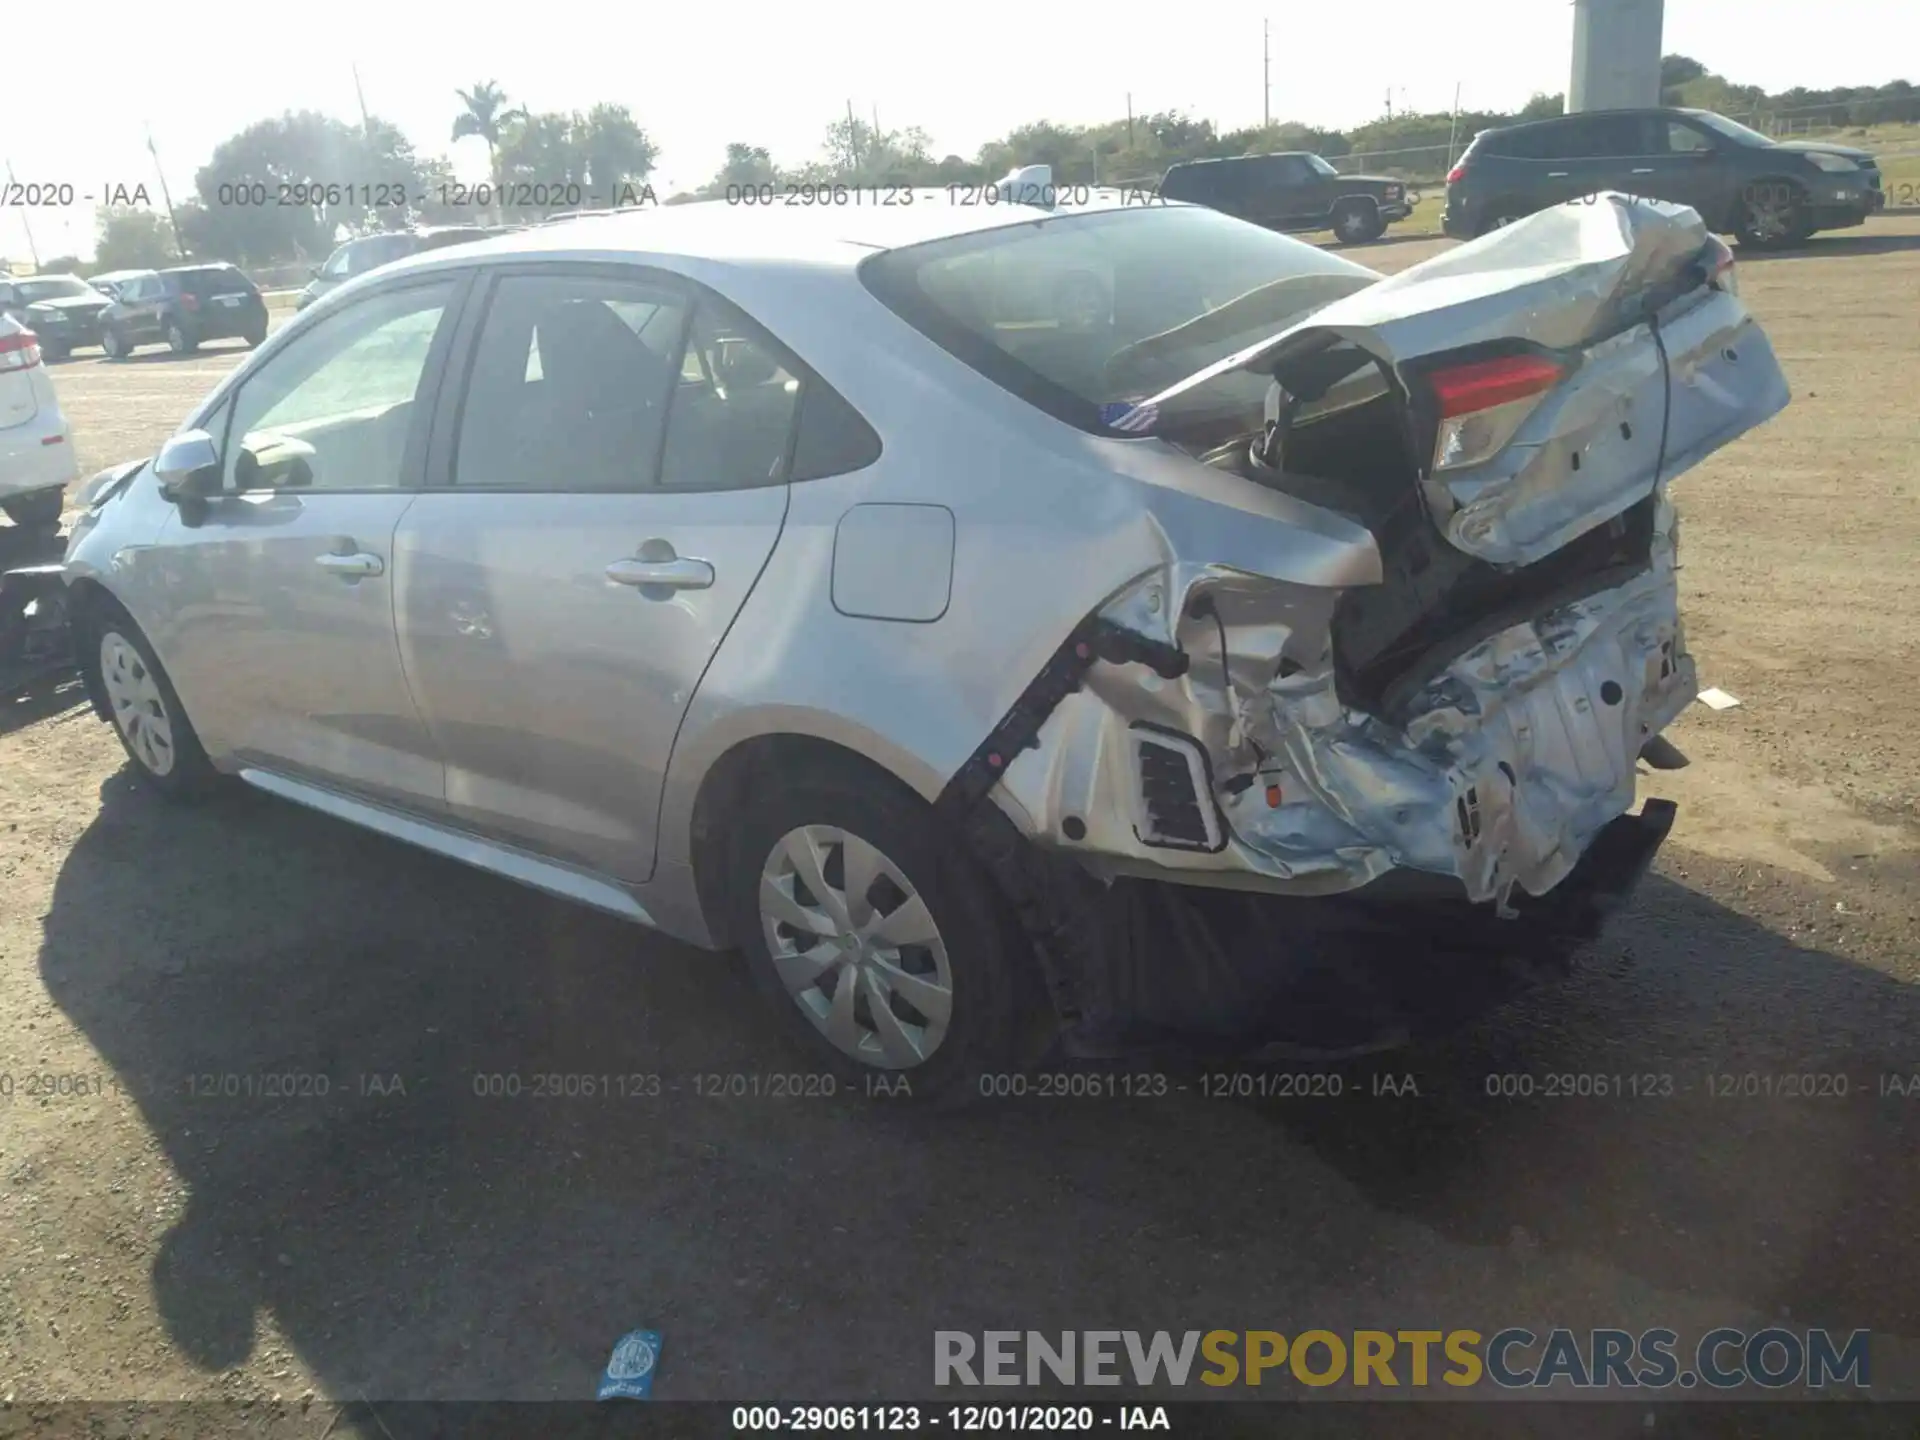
x=1647, y=171
x=676, y=574
x=1556, y=174
x=352, y=567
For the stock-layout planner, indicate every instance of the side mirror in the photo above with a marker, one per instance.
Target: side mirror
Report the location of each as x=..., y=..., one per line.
x=188, y=467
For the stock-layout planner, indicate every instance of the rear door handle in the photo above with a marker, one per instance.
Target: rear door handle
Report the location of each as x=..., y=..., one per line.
x=1647, y=171
x=352, y=567
x=675, y=574
x=1557, y=174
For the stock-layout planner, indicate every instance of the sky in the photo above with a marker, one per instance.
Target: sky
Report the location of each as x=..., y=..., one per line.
x=699, y=76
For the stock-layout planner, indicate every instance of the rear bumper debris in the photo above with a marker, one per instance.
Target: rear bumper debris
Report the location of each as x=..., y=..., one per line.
x=1145, y=964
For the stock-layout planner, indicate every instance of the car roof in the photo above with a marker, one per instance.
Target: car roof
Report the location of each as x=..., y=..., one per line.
x=1589, y=114
x=203, y=266
x=125, y=274
x=716, y=230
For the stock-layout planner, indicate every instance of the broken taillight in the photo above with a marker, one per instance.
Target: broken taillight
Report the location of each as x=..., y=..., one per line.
x=1719, y=262
x=20, y=351
x=1480, y=404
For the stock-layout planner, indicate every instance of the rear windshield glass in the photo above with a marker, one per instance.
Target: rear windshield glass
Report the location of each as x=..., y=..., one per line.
x=1076, y=312
x=214, y=280
x=52, y=287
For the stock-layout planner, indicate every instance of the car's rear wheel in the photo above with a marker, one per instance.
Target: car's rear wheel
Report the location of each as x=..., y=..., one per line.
x=1499, y=217
x=1357, y=221
x=39, y=510
x=1772, y=214
x=115, y=345
x=178, y=340
x=256, y=337
x=147, y=714
x=884, y=946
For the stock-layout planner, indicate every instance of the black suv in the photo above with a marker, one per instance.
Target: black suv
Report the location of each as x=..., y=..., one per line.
x=63, y=310
x=369, y=252
x=183, y=306
x=1293, y=190
x=1766, y=192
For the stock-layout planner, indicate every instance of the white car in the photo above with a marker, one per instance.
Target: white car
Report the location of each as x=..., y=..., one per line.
x=36, y=444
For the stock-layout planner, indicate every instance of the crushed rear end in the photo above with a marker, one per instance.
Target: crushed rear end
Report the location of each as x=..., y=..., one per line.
x=1330, y=816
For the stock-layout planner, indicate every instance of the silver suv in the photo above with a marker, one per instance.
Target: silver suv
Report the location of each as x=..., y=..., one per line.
x=1002, y=623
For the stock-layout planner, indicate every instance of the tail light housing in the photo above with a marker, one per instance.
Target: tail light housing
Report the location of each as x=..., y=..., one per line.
x=19, y=352
x=1718, y=260
x=1479, y=404
x=189, y=302
x=1457, y=173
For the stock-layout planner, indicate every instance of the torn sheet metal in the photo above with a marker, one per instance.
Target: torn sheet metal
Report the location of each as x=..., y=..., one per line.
x=1509, y=761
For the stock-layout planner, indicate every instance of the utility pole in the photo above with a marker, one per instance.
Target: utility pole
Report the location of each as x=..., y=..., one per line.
x=1389, y=102
x=172, y=220
x=32, y=249
x=1453, y=129
x=1129, y=120
x=853, y=137
x=1266, y=77
x=366, y=125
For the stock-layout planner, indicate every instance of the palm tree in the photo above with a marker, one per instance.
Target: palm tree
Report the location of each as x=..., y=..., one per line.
x=487, y=113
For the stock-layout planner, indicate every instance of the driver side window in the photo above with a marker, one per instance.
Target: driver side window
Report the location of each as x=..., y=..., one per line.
x=332, y=411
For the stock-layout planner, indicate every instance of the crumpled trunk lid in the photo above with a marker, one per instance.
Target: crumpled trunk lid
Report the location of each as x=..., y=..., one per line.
x=1661, y=369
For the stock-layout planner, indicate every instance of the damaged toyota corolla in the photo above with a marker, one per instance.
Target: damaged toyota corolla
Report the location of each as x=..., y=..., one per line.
x=1009, y=626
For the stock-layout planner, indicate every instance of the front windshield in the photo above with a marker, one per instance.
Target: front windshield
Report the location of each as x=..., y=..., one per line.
x=52, y=287
x=1321, y=166
x=1073, y=313
x=1732, y=129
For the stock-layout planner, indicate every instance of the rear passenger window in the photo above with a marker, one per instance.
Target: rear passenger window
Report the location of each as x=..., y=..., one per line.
x=1605, y=137
x=733, y=407
x=570, y=385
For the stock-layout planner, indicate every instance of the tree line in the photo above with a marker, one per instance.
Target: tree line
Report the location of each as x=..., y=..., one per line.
x=357, y=179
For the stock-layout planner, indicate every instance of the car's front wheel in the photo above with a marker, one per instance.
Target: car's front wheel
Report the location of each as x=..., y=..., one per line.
x=147, y=715
x=1772, y=215
x=885, y=947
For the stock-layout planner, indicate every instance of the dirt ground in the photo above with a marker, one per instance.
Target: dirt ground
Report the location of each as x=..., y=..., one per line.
x=400, y=1236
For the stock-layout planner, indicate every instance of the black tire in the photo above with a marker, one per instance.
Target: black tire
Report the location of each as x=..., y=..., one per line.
x=38, y=510
x=255, y=338
x=1772, y=215
x=190, y=777
x=179, y=341
x=1498, y=217
x=114, y=345
x=1000, y=1020
x=56, y=351
x=1356, y=222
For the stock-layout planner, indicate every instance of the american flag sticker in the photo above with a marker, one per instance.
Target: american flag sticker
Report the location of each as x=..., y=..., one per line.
x=1125, y=415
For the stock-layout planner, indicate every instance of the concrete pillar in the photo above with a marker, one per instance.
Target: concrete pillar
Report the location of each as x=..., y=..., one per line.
x=1616, y=54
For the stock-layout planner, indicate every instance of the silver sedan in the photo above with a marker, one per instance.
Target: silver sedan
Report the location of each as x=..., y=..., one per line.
x=1010, y=625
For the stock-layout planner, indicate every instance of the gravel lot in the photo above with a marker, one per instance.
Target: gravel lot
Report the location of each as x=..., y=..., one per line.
x=402, y=1237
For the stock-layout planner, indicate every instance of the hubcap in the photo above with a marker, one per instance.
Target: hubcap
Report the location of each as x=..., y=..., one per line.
x=856, y=947
x=138, y=708
x=1770, y=211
